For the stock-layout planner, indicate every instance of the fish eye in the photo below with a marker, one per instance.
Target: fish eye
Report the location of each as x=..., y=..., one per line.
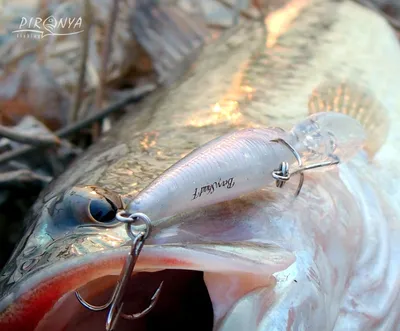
x=103, y=210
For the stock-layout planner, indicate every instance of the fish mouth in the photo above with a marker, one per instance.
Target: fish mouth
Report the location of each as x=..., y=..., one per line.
x=202, y=282
x=183, y=302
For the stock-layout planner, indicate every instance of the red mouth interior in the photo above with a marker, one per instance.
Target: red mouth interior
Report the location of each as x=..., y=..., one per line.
x=184, y=303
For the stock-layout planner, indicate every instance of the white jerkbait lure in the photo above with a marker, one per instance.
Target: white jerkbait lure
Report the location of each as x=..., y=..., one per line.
x=243, y=161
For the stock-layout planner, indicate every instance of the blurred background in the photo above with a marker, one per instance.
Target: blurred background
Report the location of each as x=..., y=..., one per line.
x=68, y=69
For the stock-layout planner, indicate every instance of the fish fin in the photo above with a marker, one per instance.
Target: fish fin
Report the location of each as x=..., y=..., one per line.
x=357, y=102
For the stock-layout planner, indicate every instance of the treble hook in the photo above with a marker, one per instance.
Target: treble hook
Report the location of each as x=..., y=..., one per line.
x=116, y=302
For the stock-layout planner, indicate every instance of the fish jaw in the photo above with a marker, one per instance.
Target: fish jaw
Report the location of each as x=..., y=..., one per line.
x=27, y=306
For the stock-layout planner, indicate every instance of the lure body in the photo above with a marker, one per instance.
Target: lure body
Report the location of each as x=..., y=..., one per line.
x=242, y=162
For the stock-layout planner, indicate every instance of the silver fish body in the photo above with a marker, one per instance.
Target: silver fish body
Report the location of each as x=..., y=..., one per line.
x=329, y=260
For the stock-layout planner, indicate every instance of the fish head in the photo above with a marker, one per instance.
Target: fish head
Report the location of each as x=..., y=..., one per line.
x=230, y=261
x=75, y=242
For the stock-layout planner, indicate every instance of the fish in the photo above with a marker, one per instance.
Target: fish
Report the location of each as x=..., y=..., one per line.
x=327, y=260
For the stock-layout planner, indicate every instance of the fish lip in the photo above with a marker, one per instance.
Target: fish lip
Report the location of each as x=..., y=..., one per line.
x=35, y=277
x=72, y=273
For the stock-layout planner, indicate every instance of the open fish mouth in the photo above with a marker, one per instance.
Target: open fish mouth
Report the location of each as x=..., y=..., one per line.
x=208, y=259
x=201, y=283
x=264, y=261
x=184, y=301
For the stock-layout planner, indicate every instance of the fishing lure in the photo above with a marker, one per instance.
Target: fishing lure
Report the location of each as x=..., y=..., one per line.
x=226, y=168
x=248, y=160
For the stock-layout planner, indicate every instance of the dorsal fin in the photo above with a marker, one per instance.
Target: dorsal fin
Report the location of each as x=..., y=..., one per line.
x=357, y=102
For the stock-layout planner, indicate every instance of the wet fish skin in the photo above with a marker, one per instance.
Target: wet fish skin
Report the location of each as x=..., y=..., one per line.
x=252, y=85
